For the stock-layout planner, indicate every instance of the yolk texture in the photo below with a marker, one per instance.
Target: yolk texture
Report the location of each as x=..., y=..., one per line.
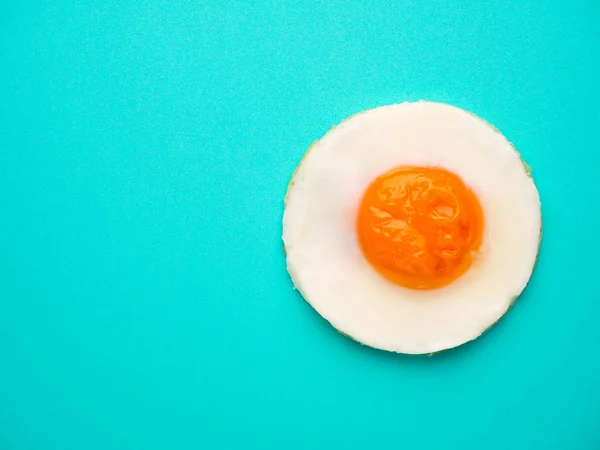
x=420, y=226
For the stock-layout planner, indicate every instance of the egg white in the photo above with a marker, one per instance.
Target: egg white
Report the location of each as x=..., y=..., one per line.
x=319, y=227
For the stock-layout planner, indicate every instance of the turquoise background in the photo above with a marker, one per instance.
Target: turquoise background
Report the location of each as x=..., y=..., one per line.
x=145, y=148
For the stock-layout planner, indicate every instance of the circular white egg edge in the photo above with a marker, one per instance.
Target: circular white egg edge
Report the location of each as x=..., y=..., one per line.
x=327, y=265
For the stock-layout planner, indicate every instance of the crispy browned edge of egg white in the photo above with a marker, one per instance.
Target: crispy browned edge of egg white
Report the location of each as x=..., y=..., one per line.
x=528, y=171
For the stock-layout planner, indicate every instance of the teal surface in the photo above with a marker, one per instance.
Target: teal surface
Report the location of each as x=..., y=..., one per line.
x=145, y=148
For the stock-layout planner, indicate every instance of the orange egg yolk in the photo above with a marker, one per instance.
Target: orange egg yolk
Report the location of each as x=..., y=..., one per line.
x=420, y=227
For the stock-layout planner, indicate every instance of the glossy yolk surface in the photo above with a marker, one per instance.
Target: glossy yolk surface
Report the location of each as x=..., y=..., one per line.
x=420, y=227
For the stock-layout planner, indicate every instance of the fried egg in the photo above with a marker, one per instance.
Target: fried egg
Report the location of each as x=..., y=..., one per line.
x=413, y=227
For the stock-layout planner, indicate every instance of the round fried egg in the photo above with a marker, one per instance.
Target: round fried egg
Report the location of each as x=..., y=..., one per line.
x=412, y=227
